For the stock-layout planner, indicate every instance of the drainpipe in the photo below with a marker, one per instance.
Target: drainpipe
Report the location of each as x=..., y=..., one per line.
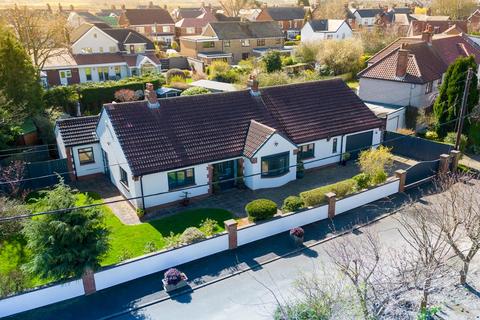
x=141, y=190
x=341, y=147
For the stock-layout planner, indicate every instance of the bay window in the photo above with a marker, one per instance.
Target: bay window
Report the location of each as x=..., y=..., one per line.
x=275, y=165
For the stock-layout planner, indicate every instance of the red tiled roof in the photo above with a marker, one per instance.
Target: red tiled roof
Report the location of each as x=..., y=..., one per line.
x=186, y=131
x=78, y=131
x=148, y=16
x=417, y=27
x=257, y=135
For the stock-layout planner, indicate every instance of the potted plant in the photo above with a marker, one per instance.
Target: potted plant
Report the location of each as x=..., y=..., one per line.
x=297, y=235
x=174, y=279
x=345, y=158
x=300, y=170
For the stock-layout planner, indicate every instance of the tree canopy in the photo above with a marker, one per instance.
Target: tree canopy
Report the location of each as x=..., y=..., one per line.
x=273, y=61
x=68, y=243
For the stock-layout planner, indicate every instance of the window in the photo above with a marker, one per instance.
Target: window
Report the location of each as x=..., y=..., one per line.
x=306, y=151
x=113, y=49
x=190, y=30
x=100, y=49
x=276, y=165
x=261, y=42
x=141, y=30
x=208, y=44
x=118, y=71
x=88, y=74
x=165, y=29
x=246, y=43
x=181, y=179
x=140, y=48
x=87, y=50
x=335, y=145
x=85, y=156
x=226, y=43
x=245, y=56
x=102, y=73
x=428, y=87
x=65, y=74
x=123, y=177
x=329, y=36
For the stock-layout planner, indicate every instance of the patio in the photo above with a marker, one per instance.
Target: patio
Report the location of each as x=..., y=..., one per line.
x=235, y=200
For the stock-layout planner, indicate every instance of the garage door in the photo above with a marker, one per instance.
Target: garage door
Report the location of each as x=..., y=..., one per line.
x=357, y=142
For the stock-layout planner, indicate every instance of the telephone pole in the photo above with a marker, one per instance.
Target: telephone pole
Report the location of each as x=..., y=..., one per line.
x=463, y=110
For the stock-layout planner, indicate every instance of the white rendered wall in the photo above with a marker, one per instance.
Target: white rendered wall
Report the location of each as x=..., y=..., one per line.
x=90, y=168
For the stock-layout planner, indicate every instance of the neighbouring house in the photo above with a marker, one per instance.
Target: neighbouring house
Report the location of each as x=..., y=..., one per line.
x=366, y=17
x=158, y=152
x=409, y=71
x=154, y=23
x=439, y=26
x=77, y=18
x=394, y=116
x=194, y=25
x=99, y=53
x=474, y=21
x=290, y=19
x=232, y=41
x=78, y=143
x=180, y=13
x=325, y=29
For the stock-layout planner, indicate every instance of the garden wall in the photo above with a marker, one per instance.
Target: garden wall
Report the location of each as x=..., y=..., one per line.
x=163, y=260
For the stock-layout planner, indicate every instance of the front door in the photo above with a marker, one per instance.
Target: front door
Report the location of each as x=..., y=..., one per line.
x=64, y=76
x=106, y=165
x=224, y=172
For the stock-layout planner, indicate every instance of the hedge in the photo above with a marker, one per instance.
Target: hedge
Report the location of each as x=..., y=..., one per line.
x=292, y=204
x=261, y=209
x=317, y=196
x=94, y=95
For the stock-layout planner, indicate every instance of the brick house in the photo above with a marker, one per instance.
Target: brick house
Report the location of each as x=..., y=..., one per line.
x=290, y=19
x=154, y=23
x=190, y=26
x=474, y=21
x=233, y=41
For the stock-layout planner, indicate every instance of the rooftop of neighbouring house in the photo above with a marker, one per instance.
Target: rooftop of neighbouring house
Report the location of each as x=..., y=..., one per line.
x=286, y=13
x=148, y=16
x=191, y=130
x=326, y=25
x=78, y=130
x=231, y=30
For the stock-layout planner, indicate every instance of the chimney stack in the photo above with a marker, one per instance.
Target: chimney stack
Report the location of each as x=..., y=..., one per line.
x=253, y=85
x=427, y=35
x=402, y=61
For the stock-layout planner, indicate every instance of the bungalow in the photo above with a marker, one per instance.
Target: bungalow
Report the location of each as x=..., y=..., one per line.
x=325, y=29
x=159, y=151
x=99, y=53
x=409, y=71
x=290, y=19
x=154, y=23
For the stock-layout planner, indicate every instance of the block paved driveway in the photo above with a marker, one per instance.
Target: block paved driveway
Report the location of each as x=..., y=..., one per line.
x=242, y=296
x=235, y=200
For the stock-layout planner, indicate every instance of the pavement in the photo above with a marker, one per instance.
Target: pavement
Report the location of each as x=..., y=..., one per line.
x=233, y=284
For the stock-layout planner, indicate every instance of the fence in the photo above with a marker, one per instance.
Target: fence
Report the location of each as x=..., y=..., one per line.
x=415, y=148
x=422, y=171
x=159, y=261
x=31, y=154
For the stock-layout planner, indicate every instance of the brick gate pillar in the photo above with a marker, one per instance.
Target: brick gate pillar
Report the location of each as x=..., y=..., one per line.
x=88, y=280
x=402, y=176
x=331, y=200
x=444, y=163
x=455, y=155
x=231, y=227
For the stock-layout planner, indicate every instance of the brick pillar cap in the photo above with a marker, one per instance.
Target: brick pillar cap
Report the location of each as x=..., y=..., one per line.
x=230, y=222
x=400, y=171
x=455, y=152
x=444, y=156
x=330, y=195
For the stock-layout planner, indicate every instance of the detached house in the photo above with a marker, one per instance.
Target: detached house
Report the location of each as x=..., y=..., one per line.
x=154, y=23
x=99, y=53
x=196, y=25
x=232, y=41
x=290, y=19
x=409, y=71
x=161, y=151
x=326, y=29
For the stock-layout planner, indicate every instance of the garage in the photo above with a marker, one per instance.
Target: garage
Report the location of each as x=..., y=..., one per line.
x=356, y=142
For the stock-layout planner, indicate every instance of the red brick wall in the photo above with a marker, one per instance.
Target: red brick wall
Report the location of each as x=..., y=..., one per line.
x=53, y=77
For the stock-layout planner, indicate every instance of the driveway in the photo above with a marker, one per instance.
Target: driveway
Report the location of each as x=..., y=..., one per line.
x=235, y=200
x=220, y=293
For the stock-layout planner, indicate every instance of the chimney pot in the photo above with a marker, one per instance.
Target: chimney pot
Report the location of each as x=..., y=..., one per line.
x=427, y=35
x=253, y=85
x=402, y=62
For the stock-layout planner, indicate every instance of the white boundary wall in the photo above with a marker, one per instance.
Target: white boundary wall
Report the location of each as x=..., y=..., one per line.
x=41, y=297
x=156, y=262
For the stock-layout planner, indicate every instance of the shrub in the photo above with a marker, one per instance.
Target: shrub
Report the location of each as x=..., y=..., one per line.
x=290, y=43
x=273, y=61
x=176, y=79
x=374, y=161
x=379, y=178
x=172, y=276
x=62, y=98
x=150, y=247
x=192, y=235
x=288, y=61
x=317, y=196
x=261, y=209
x=172, y=241
x=362, y=180
x=343, y=188
x=452, y=137
x=208, y=226
x=230, y=76
x=174, y=72
x=140, y=212
x=431, y=135
x=292, y=204
x=193, y=91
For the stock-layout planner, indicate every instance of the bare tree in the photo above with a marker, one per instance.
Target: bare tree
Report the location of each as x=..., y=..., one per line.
x=232, y=7
x=426, y=260
x=11, y=177
x=42, y=34
x=457, y=213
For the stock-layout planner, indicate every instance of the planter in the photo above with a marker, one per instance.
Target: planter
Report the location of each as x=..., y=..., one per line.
x=173, y=287
x=297, y=240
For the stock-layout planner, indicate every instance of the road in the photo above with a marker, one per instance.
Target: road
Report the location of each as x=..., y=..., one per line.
x=243, y=296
